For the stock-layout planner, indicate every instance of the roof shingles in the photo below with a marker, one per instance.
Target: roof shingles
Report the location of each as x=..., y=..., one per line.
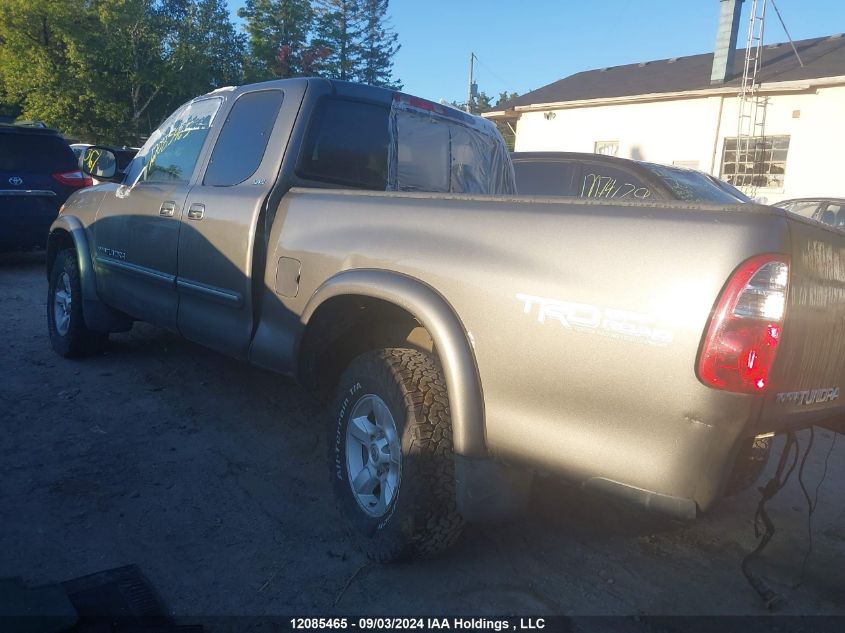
x=822, y=57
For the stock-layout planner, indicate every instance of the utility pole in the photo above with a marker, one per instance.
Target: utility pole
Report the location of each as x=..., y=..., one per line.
x=472, y=88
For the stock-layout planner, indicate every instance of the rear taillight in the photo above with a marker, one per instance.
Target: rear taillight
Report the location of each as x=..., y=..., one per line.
x=742, y=339
x=73, y=179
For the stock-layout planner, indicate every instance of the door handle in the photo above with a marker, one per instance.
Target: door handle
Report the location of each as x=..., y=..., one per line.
x=196, y=211
x=167, y=209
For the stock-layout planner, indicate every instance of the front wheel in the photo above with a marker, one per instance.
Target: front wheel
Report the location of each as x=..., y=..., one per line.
x=390, y=455
x=69, y=336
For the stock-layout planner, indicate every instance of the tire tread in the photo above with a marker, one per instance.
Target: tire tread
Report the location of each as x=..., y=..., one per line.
x=436, y=523
x=79, y=340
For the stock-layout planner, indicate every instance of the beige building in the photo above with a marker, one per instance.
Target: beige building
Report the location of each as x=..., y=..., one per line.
x=673, y=111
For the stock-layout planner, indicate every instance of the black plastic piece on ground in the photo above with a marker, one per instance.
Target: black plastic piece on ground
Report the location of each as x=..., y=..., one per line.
x=44, y=609
x=115, y=593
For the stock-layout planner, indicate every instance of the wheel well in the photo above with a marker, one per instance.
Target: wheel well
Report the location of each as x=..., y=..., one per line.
x=346, y=326
x=56, y=242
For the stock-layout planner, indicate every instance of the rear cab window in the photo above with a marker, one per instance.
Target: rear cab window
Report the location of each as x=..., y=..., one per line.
x=438, y=148
x=403, y=147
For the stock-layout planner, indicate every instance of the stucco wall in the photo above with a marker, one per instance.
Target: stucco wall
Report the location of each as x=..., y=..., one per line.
x=691, y=130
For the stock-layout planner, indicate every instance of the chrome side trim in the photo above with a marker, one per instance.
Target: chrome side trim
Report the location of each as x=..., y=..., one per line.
x=27, y=192
x=137, y=271
x=226, y=297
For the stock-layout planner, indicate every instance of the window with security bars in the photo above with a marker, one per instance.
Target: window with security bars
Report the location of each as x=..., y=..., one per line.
x=607, y=148
x=761, y=162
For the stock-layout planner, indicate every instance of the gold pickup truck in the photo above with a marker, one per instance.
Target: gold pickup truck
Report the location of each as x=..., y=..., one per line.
x=372, y=245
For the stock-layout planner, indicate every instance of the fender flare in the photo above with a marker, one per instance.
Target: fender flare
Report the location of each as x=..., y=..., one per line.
x=74, y=228
x=463, y=383
x=98, y=316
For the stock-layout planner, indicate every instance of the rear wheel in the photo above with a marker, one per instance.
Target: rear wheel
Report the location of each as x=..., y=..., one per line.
x=390, y=455
x=69, y=336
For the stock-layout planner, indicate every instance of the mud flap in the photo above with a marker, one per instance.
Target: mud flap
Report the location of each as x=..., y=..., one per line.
x=102, y=318
x=487, y=490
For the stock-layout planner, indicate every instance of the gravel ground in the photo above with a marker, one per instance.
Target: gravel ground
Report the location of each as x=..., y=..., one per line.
x=210, y=475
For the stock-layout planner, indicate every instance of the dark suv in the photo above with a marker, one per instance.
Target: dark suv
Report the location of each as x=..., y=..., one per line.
x=38, y=171
x=581, y=175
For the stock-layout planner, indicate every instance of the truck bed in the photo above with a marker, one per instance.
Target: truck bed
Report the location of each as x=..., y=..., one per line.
x=586, y=319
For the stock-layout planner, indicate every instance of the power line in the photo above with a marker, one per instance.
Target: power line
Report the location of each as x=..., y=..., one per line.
x=788, y=36
x=494, y=73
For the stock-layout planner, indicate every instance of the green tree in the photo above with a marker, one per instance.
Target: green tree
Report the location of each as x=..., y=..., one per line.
x=337, y=32
x=109, y=70
x=480, y=103
x=379, y=44
x=121, y=70
x=203, y=50
x=278, y=34
x=505, y=98
x=31, y=52
x=86, y=67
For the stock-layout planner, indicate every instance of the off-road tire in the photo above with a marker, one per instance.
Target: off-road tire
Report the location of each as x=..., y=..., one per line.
x=423, y=518
x=749, y=465
x=78, y=340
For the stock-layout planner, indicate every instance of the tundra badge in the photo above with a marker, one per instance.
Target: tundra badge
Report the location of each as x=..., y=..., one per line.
x=811, y=396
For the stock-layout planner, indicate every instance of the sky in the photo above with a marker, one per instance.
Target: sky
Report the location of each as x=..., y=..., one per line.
x=524, y=45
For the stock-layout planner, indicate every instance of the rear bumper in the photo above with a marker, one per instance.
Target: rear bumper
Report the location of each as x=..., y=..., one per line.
x=676, y=462
x=838, y=427
x=678, y=507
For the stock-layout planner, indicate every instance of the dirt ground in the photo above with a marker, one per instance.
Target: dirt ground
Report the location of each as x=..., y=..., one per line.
x=210, y=475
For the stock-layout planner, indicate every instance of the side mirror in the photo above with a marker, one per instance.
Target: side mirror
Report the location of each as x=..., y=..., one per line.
x=100, y=163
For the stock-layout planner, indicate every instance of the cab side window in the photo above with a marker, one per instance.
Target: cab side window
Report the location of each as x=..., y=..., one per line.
x=172, y=151
x=243, y=139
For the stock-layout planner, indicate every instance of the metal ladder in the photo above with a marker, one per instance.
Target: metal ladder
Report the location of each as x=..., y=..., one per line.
x=752, y=105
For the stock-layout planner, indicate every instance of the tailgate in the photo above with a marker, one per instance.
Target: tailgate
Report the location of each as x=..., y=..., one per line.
x=809, y=372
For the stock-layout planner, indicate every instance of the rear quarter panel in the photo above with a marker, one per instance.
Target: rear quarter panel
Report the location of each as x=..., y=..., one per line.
x=585, y=318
